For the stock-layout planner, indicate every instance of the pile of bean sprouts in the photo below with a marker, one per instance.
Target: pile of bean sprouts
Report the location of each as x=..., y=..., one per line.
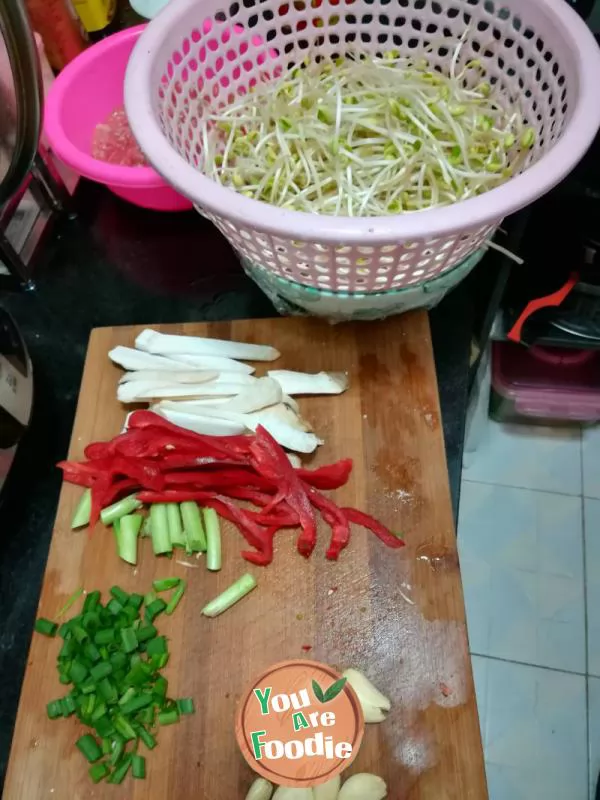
x=367, y=136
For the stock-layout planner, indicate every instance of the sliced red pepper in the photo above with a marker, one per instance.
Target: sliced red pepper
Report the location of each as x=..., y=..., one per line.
x=99, y=494
x=271, y=461
x=366, y=521
x=236, y=447
x=218, y=478
x=262, y=558
x=331, y=476
x=146, y=472
x=336, y=519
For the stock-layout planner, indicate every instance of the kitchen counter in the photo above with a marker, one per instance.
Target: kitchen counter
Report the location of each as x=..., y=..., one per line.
x=116, y=265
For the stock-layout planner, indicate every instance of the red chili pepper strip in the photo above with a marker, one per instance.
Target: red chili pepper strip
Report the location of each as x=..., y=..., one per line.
x=229, y=446
x=146, y=472
x=366, y=521
x=331, y=476
x=118, y=488
x=264, y=557
x=220, y=478
x=336, y=519
x=270, y=460
x=99, y=492
x=243, y=493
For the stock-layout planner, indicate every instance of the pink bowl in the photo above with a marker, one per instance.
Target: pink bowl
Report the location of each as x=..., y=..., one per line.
x=84, y=94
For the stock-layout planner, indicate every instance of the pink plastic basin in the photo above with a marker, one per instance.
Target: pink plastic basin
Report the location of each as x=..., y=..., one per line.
x=83, y=95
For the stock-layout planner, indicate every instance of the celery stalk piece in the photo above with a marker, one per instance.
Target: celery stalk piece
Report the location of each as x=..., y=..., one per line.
x=159, y=529
x=176, y=534
x=213, y=539
x=119, y=509
x=230, y=596
x=81, y=516
x=127, y=537
x=192, y=525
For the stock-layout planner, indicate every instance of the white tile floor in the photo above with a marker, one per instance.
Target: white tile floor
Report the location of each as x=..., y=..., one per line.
x=529, y=542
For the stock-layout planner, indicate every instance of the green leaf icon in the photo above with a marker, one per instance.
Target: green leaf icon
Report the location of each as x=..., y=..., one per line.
x=334, y=690
x=318, y=692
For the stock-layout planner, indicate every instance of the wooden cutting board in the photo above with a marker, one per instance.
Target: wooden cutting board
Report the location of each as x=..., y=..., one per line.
x=396, y=615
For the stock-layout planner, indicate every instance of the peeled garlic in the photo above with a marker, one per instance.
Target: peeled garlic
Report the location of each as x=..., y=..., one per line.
x=363, y=787
x=285, y=793
x=327, y=791
x=374, y=704
x=260, y=790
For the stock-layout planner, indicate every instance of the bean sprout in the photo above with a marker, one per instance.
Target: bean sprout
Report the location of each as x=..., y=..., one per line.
x=366, y=136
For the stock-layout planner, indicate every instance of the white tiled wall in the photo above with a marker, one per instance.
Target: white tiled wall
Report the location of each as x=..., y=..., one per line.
x=529, y=543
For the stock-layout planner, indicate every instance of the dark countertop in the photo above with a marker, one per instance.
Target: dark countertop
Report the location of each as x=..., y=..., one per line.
x=116, y=265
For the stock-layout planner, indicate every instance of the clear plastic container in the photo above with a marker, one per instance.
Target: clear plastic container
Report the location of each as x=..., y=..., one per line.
x=549, y=384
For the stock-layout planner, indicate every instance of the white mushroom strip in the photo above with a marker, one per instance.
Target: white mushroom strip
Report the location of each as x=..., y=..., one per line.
x=264, y=392
x=165, y=344
x=306, y=383
x=294, y=460
x=166, y=377
x=211, y=426
x=218, y=363
x=281, y=422
x=288, y=436
x=131, y=359
x=139, y=391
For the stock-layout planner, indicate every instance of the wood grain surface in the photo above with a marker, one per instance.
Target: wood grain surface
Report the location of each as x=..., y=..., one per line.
x=396, y=615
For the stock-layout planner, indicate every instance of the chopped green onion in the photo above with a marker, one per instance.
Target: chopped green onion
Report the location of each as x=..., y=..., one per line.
x=98, y=772
x=138, y=767
x=129, y=640
x=54, y=709
x=119, y=594
x=159, y=526
x=175, y=523
x=146, y=738
x=213, y=539
x=87, y=745
x=101, y=670
x=45, y=627
x=192, y=525
x=83, y=510
x=155, y=608
x=175, y=598
x=119, y=509
x=121, y=769
x=230, y=596
x=168, y=717
x=91, y=601
x=185, y=705
x=165, y=584
x=71, y=601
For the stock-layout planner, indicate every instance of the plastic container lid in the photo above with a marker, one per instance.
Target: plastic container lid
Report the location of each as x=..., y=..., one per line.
x=552, y=383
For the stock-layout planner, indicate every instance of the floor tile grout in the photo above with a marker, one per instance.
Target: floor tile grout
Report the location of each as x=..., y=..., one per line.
x=525, y=488
x=585, y=620
x=535, y=666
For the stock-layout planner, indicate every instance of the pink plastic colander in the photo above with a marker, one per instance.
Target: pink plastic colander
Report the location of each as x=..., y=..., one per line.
x=83, y=95
x=538, y=54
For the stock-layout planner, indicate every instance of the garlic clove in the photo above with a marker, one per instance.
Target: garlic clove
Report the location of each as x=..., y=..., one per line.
x=261, y=789
x=285, y=793
x=374, y=704
x=363, y=787
x=329, y=790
